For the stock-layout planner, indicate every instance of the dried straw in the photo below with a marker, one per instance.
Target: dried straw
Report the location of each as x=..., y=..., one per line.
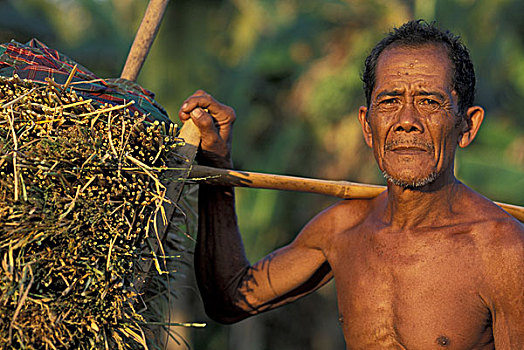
x=80, y=184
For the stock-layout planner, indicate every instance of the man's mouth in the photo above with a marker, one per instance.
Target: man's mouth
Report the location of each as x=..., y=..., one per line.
x=410, y=148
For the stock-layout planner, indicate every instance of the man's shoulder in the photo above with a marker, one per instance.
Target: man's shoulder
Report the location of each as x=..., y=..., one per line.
x=499, y=236
x=490, y=221
x=499, y=242
x=502, y=234
x=350, y=212
x=339, y=217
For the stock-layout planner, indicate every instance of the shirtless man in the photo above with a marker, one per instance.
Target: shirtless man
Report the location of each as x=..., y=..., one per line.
x=428, y=264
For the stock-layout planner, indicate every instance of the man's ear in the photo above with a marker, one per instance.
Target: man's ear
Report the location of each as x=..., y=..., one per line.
x=474, y=117
x=366, y=129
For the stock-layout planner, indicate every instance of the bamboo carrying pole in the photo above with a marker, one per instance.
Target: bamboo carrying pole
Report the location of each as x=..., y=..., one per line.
x=340, y=189
x=144, y=39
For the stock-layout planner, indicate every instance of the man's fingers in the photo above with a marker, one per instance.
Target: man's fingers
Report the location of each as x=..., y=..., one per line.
x=190, y=104
x=199, y=98
x=222, y=113
x=214, y=120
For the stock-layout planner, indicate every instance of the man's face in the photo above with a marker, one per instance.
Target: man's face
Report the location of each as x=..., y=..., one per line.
x=412, y=123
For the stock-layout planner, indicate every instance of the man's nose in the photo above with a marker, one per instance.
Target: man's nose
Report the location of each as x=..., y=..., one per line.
x=409, y=120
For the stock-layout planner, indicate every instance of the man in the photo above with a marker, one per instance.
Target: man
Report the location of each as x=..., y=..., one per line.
x=428, y=264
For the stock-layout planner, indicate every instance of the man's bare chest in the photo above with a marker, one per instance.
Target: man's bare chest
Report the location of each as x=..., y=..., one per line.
x=407, y=292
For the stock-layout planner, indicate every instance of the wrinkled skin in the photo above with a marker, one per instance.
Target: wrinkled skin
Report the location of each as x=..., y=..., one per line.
x=428, y=264
x=414, y=114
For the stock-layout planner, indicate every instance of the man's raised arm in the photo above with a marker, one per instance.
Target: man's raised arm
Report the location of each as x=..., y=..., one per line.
x=231, y=288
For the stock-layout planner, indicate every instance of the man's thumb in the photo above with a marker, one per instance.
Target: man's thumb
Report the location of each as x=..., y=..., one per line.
x=203, y=121
x=197, y=113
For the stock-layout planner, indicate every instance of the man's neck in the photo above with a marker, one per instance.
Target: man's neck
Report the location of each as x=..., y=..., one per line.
x=417, y=207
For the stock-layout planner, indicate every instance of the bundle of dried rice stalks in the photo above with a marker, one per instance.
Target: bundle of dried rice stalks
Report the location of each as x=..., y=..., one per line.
x=79, y=185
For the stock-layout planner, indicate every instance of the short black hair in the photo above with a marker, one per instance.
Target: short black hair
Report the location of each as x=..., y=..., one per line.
x=419, y=32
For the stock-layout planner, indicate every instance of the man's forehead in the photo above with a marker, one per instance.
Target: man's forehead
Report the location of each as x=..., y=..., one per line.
x=429, y=61
x=410, y=54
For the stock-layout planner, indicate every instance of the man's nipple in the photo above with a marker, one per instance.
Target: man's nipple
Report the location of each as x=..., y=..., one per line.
x=443, y=341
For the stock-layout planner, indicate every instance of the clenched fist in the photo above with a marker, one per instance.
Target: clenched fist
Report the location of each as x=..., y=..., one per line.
x=215, y=122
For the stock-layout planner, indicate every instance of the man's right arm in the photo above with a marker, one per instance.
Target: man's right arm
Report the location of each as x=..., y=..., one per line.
x=231, y=288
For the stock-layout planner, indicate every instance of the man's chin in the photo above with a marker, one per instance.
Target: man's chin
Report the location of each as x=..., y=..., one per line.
x=411, y=183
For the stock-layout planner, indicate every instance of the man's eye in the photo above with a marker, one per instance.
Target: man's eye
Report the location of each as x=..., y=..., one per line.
x=389, y=101
x=429, y=105
x=429, y=102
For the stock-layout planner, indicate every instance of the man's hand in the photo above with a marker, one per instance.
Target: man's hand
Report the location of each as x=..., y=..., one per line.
x=215, y=122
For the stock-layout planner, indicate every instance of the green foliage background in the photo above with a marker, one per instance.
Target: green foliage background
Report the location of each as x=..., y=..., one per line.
x=291, y=69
